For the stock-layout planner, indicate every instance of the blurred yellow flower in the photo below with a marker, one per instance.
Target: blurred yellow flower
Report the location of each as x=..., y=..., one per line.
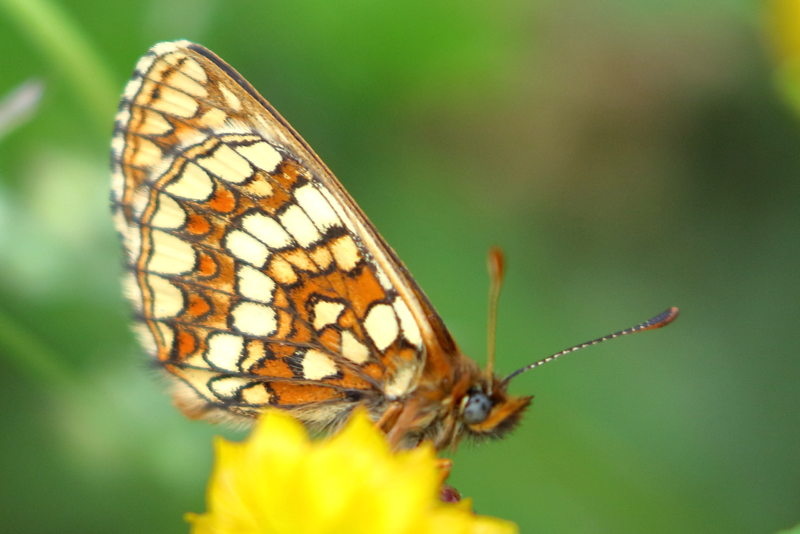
x=782, y=21
x=279, y=481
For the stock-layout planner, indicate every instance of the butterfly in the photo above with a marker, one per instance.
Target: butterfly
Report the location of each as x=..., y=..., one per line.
x=257, y=281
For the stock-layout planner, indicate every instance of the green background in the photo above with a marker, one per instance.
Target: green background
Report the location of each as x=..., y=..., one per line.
x=627, y=155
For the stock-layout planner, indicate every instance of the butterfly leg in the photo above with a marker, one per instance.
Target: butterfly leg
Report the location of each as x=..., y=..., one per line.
x=404, y=422
x=389, y=417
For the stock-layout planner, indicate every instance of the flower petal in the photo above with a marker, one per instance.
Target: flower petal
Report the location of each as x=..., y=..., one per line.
x=278, y=481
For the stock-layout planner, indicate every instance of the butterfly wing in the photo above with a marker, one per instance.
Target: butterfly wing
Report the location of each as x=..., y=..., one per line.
x=255, y=278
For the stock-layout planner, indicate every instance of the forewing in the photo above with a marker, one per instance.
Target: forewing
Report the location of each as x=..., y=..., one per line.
x=255, y=278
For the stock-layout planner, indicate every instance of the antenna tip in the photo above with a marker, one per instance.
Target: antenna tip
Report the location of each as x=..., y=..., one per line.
x=662, y=319
x=497, y=263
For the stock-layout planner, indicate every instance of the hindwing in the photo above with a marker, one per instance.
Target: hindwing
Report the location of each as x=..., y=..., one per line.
x=255, y=278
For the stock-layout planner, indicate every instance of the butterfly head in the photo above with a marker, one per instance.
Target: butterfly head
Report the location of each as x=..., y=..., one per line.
x=491, y=413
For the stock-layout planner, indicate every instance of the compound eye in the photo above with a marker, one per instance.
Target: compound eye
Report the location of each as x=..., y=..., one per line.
x=477, y=408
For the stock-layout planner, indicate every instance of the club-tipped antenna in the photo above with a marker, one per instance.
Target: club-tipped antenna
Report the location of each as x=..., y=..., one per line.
x=660, y=320
x=497, y=269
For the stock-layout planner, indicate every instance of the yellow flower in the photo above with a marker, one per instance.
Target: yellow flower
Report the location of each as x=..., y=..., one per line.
x=279, y=481
x=782, y=22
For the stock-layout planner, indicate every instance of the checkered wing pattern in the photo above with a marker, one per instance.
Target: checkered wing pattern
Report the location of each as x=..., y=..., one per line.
x=255, y=278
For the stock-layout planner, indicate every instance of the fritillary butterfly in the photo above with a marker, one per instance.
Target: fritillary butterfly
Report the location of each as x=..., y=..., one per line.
x=257, y=281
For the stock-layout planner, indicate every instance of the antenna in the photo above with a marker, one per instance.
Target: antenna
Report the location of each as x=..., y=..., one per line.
x=660, y=320
x=497, y=270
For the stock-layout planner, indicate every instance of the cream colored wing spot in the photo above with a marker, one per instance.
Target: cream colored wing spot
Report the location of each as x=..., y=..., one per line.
x=174, y=102
x=195, y=384
x=153, y=123
x=118, y=145
x=172, y=54
x=254, y=319
x=193, y=183
x=317, y=365
x=239, y=134
x=326, y=313
x=262, y=155
x=188, y=76
x=169, y=213
x=121, y=118
x=213, y=117
x=353, y=349
x=299, y=226
x=300, y=259
x=381, y=325
x=316, y=207
x=401, y=382
x=321, y=257
x=224, y=350
x=407, y=323
x=254, y=354
x=226, y=387
x=255, y=285
x=282, y=272
x=167, y=301
x=187, y=85
x=267, y=230
x=231, y=100
x=144, y=63
x=246, y=248
x=227, y=164
x=189, y=67
x=117, y=186
x=259, y=187
x=170, y=254
x=147, y=153
x=345, y=252
x=256, y=394
x=167, y=48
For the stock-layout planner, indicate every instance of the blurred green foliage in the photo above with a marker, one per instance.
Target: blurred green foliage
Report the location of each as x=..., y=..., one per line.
x=628, y=156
